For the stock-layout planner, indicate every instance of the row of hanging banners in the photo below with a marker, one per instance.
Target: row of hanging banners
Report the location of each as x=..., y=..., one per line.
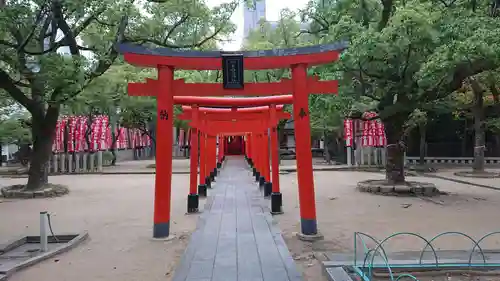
x=72, y=130
x=371, y=140
x=373, y=132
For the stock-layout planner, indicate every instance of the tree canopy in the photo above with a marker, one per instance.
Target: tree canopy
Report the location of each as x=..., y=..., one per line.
x=52, y=51
x=407, y=55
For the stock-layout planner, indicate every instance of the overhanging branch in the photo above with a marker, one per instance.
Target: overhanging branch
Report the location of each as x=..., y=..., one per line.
x=69, y=35
x=461, y=72
x=387, y=7
x=38, y=19
x=182, y=20
x=142, y=40
x=104, y=63
x=9, y=86
x=173, y=46
x=9, y=44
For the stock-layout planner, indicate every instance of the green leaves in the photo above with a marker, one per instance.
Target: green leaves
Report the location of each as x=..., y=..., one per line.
x=327, y=112
x=60, y=49
x=421, y=55
x=15, y=130
x=60, y=56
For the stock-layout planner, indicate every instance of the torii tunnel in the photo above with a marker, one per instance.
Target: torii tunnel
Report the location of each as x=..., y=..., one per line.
x=215, y=119
x=252, y=123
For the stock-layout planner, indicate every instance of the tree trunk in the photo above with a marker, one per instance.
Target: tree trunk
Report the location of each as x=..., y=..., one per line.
x=114, y=137
x=1, y=154
x=464, y=139
x=340, y=150
x=394, y=168
x=423, y=130
x=479, y=139
x=328, y=157
x=496, y=102
x=43, y=133
x=479, y=146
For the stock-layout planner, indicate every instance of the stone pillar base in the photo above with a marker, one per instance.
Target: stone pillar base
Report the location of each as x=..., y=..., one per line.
x=202, y=190
x=262, y=181
x=276, y=203
x=193, y=203
x=208, y=182
x=268, y=188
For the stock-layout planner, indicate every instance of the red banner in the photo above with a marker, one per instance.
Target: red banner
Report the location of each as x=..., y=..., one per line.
x=57, y=143
x=348, y=132
x=373, y=133
x=102, y=141
x=83, y=131
x=70, y=132
x=109, y=138
x=62, y=131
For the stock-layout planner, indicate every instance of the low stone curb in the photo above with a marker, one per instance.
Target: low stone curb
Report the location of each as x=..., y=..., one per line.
x=52, y=191
x=334, y=168
x=98, y=173
x=469, y=174
x=410, y=188
x=79, y=238
x=460, y=181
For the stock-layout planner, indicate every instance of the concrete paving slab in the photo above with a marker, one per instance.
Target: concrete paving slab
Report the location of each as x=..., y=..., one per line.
x=236, y=238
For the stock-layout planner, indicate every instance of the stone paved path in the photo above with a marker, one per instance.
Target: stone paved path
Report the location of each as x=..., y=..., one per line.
x=236, y=239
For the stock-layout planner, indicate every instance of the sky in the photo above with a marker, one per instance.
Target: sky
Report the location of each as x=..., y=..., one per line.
x=273, y=8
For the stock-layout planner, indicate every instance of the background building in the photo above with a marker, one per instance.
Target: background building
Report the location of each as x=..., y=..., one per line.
x=252, y=16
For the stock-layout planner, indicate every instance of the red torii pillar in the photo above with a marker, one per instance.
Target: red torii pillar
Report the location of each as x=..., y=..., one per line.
x=247, y=147
x=212, y=157
x=305, y=179
x=202, y=187
x=256, y=156
x=276, y=196
x=208, y=160
x=164, y=133
x=264, y=159
x=193, y=197
x=267, y=164
x=222, y=143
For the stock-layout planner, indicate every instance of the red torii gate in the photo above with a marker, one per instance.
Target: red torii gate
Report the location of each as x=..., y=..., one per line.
x=232, y=122
x=165, y=88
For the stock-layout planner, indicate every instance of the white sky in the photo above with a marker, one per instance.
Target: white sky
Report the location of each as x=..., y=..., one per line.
x=273, y=8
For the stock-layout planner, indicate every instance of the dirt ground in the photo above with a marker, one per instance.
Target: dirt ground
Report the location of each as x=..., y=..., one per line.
x=341, y=211
x=449, y=173
x=117, y=212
